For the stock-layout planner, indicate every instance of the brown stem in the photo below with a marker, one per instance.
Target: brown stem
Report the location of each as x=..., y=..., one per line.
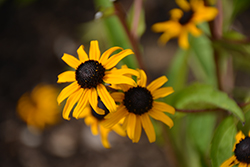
x=136, y=18
x=121, y=15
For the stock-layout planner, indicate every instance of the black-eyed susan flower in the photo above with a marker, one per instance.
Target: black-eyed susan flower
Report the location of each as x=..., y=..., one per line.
x=137, y=105
x=182, y=22
x=91, y=76
x=39, y=108
x=95, y=120
x=241, y=152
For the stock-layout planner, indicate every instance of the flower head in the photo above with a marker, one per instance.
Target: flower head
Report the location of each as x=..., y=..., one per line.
x=241, y=152
x=95, y=120
x=182, y=22
x=39, y=108
x=92, y=74
x=137, y=105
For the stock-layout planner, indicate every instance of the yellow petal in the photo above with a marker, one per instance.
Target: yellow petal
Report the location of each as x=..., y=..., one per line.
x=241, y=164
x=148, y=127
x=166, y=26
x=131, y=125
x=83, y=101
x=160, y=106
x=158, y=115
x=104, y=136
x=71, y=60
x=94, y=128
x=229, y=162
x=67, y=91
x=93, y=100
x=113, y=60
x=118, y=79
x=117, y=96
x=126, y=72
x=204, y=14
x=239, y=136
x=162, y=92
x=82, y=54
x=94, y=51
x=176, y=14
x=142, y=80
x=137, y=135
x=67, y=76
x=85, y=112
x=183, y=4
x=157, y=83
x=114, y=118
x=107, y=100
x=71, y=101
x=118, y=129
x=107, y=53
x=183, y=40
x=194, y=30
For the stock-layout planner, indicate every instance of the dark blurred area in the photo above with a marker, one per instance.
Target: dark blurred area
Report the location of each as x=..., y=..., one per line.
x=33, y=36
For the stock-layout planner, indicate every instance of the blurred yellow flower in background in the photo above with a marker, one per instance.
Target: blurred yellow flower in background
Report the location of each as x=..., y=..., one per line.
x=137, y=105
x=95, y=120
x=39, y=108
x=92, y=74
x=182, y=22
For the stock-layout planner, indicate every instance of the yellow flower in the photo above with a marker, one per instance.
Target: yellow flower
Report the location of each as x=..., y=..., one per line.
x=39, y=108
x=182, y=22
x=137, y=103
x=241, y=152
x=95, y=120
x=90, y=77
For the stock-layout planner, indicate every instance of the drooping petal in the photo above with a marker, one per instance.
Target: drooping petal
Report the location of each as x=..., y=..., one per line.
x=131, y=125
x=71, y=101
x=142, y=79
x=117, y=96
x=229, y=162
x=67, y=76
x=71, y=60
x=93, y=100
x=148, y=127
x=94, y=128
x=157, y=83
x=118, y=129
x=83, y=101
x=107, y=53
x=183, y=39
x=85, y=112
x=194, y=30
x=118, y=79
x=158, y=115
x=137, y=135
x=82, y=54
x=183, y=4
x=114, y=118
x=106, y=98
x=94, y=51
x=113, y=60
x=160, y=106
x=162, y=92
x=67, y=91
x=176, y=14
x=104, y=136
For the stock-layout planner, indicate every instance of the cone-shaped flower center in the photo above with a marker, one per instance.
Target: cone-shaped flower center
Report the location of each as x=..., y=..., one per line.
x=138, y=100
x=89, y=74
x=102, y=106
x=242, y=151
x=187, y=16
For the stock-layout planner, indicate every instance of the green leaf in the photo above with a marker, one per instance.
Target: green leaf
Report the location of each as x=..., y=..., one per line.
x=223, y=142
x=245, y=127
x=202, y=96
x=202, y=60
x=141, y=24
x=200, y=130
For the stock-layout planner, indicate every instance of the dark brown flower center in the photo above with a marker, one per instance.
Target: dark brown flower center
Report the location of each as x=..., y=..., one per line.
x=102, y=106
x=242, y=151
x=138, y=100
x=186, y=17
x=89, y=74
